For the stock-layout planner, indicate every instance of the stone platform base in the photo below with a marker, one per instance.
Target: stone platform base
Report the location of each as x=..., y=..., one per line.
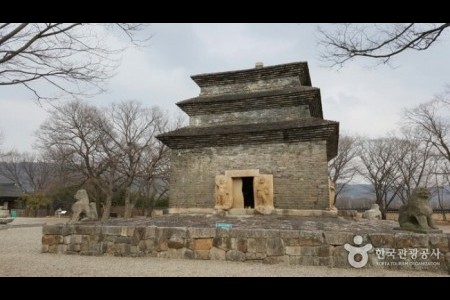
x=6, y=220
x=251, y=211
x=431, y=230
x=266, y=239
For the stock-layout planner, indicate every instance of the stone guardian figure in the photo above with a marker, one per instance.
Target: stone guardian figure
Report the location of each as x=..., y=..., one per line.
x=82, y=206
x=416, y=215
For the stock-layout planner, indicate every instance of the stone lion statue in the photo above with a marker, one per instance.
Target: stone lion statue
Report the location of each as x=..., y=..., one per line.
x=373, y=213
x=416, y=215
x=81, y=206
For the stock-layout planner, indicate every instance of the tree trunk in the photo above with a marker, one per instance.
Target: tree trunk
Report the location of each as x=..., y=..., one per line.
x=107, y=207
x=129, y=206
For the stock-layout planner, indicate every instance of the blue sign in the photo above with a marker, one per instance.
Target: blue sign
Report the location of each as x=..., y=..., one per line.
x=226, y=226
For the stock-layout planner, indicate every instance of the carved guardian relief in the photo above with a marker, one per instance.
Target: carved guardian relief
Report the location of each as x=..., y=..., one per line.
x=263, y=191
x=224, y=199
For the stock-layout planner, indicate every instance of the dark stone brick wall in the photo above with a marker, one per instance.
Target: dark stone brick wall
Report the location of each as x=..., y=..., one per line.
x=299, y=173
x=251, y=117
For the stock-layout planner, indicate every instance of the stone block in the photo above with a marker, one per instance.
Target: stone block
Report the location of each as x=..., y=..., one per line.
x=222, y=243
x=288, y=234
x=123, y=240
x=274, y=247
x=271, y=260
x=255, y=256
x=293, y=250
x=179, y=231
x=440, y=241
x=67, y=230
x=187, y=253
x=52, y=229
x=325, y=251
x=195, y=233
x=150, y=245
x=174, y=253
x=74, y=247
x=127, y=231
x=150, y=232
x=217, y=254
x=138, y=235
x=76, y=239
x=48, y=240
x=310, y=238
x=161, y=244
x=234, y=255
x=340, y=257
x=303, y=260
x=325, y=261
x=142, y=246
x=162, y=254
x=251, y=233
x=201, y=254
x=66, y=239
x=239, y=244
x=59, y=239
x=86, y=229
x=381, y=240
x=202, y=244
x=122, y=249
x=112, y=230
x=411, y=240
x=61, y=249
x=338, y=238
x=134, y=250
x=256, y=245
x=175, y=242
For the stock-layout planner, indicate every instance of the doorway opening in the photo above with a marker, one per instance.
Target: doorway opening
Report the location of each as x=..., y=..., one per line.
x=247, y=192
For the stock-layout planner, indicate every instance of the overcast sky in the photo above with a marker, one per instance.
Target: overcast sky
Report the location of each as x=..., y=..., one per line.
x=365, y=100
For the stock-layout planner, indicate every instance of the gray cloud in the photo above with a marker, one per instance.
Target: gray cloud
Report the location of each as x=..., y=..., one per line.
x=365, y=100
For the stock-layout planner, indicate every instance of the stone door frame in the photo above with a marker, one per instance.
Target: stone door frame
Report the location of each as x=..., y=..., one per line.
x=229, y=187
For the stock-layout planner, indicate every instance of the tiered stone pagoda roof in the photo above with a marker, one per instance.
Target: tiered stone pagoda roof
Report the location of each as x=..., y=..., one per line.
x=246, y=93
x=255, y=100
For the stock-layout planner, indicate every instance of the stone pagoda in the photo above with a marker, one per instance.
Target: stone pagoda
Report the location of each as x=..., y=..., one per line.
x=256, y=139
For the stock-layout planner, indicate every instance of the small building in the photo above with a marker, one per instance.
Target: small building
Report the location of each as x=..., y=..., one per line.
x=9, y=193
x=256, y=139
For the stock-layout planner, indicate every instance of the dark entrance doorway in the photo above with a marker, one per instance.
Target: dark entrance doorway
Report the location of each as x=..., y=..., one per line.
x=247, y=191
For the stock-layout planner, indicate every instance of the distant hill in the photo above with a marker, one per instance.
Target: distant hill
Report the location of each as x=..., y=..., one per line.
x=360, y=196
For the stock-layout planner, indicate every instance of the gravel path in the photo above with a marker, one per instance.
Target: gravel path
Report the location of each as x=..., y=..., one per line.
x=20, y=256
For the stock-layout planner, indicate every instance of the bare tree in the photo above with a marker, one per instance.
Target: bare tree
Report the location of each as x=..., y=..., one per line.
x=10, y=169
x=430, y=119
x=343, y=167
x=30, y=172
x=71, y=58
x=112, y=149
x=377, y=41
x=153, y=180
x=417, y=163
x=72, y=138
x=440, y=176
x=379, y=159
x=133, y=130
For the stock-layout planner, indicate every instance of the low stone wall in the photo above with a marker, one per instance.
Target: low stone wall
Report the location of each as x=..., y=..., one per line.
x=396, y=250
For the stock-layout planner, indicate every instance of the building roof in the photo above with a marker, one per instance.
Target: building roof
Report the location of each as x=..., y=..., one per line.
x=294, y=69
x=309, y=129
x=9, y=190
x=286, y=97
